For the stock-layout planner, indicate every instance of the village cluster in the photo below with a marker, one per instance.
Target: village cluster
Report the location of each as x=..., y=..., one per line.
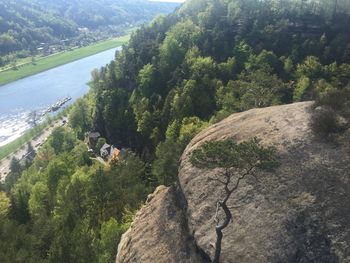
x=109, y=153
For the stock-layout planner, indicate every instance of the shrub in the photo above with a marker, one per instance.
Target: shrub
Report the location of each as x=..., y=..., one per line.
x=337, y=100
x=324, y=122
x=100, y=142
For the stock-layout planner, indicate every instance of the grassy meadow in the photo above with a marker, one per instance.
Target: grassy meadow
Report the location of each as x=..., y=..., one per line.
x=21, y=141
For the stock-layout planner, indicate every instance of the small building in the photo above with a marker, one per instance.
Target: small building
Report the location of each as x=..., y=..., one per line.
x=115, y=154
x=109, y=152
x=105, y=151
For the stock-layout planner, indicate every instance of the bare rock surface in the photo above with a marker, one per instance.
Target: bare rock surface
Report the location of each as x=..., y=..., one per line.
x=158, y=233
x=300, y=213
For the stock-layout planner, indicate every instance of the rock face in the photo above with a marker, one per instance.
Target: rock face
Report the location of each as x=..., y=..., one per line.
x=299, y=213
x=159, y=232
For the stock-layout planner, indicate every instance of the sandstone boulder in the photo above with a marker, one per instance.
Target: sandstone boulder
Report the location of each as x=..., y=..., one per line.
x=159, y=232
x=299, y=213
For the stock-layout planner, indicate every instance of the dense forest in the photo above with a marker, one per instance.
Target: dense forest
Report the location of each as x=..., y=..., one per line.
x=178, y=74
x=24, y=24
x=211, y=59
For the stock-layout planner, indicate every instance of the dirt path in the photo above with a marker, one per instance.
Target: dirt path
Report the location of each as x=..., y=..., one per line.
x=21, y=153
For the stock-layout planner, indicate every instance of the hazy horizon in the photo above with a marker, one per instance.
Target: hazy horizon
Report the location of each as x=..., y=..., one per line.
x=169, y=1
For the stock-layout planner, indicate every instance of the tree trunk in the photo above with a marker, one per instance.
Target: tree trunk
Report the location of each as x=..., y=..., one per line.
x=219, y=236
x=219, y=229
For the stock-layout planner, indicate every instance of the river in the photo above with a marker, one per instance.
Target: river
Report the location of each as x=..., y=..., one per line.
x=38, y=92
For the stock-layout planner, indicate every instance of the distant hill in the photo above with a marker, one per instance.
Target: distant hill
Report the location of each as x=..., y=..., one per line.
x=24, y=24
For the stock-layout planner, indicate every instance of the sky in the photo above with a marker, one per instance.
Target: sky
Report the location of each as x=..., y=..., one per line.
x=171, y=1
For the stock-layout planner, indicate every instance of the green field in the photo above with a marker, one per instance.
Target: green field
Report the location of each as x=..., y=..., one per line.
x=21, y=141
x=58, y=59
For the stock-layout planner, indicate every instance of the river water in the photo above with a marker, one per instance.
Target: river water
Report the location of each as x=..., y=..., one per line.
x=38, y=92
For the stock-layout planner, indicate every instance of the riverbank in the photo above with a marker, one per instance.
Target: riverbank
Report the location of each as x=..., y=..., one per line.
x=21, y=151
x=59, y=59
x=12, y=148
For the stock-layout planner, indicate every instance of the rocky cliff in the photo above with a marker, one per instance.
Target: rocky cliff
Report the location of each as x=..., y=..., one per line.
x=159, y=232
x=299, y=213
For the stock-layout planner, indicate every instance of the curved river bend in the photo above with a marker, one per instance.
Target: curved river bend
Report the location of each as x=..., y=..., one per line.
x=38, y=92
